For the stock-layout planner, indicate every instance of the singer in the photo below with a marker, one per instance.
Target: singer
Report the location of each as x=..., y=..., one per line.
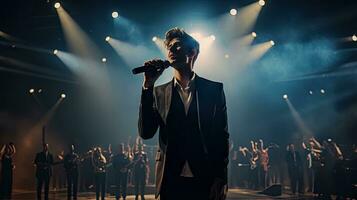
x=192, y=116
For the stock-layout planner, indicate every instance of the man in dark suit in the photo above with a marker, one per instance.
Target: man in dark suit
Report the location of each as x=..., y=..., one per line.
x=43, y=162
x=191, y=113
x=121, y=163
x=70, y=164
x=295, y=169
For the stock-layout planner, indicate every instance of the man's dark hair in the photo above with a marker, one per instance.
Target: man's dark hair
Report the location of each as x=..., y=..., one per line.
x=183, y=36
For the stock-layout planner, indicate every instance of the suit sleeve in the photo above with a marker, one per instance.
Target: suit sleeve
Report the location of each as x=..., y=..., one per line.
x=222, y=136
x=148, y=115
x=36, y=161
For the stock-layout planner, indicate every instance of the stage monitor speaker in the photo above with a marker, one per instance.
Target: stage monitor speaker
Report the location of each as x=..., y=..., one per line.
x=273, y=190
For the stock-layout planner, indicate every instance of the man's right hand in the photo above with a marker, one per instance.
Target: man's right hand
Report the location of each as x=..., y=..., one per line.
x=150, y=77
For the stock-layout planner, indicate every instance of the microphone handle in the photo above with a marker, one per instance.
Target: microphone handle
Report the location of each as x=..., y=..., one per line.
x=145, y=68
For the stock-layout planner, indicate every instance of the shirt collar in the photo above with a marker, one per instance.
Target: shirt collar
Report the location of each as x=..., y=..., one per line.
x=190, y=84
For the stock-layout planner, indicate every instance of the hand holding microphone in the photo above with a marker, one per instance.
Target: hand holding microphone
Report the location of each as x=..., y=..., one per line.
x=152, y=70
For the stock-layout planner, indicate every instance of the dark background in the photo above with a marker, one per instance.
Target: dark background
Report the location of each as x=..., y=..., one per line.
x=308, y=36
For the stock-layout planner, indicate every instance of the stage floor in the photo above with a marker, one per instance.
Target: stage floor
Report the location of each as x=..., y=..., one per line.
x=232, y=195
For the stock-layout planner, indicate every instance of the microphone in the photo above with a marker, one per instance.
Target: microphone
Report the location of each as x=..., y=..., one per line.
x=147, y=68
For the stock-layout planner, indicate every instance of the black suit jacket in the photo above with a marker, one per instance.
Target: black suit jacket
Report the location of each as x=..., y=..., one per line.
x=43, y=164
x=212, y=119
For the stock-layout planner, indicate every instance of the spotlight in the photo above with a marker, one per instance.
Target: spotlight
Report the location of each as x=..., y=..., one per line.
x=154, y=39
x=322, y=91
x=254, y=34
x=115, y=14
x=213, y=38
x=272, y=42
x=354, y=38
x=107, y=38
x=310, y=92
x=32, y=90
x=226, y=56
x=233, y=12
x=55, y=51
x=63, y=96
x=285, y=96
x=261, y=2
x=39, y=90
x=57, y=5
x=104, y=60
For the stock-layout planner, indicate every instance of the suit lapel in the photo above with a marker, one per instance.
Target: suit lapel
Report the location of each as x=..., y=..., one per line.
x=201, y=108
x=167, y=100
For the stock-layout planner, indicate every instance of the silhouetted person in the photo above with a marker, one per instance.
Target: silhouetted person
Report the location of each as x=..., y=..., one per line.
x=99, y=163
x=140, y=172
x=121, y=163
x=43, y=162
x=70, y=164
x=263, y=165
x=295, y=169
x=6, y=154
x=191, y=114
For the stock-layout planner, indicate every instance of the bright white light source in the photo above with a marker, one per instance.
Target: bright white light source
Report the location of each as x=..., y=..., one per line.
x=272, y=42
x=233, y=12
x=32, y=90
x=55, y=51
x=354, y=38
x=322, y=91
x=154, y=39
x=115, y=14
x=285, y=96
x=261, y=2
x=254, y=34
x=104, y=60
x=213, y=38
x=226, y=56
x=310, y=92
x=107, y=38
x=57, y=5
x=63, y=96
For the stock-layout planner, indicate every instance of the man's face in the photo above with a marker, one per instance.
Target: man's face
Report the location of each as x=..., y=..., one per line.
x=292, y=147
x=45, y=147
x=176, y=51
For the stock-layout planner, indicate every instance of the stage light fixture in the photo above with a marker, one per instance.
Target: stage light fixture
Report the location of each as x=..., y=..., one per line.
x=57, y=5
x=233, y=12
x=39, y=90
x=213, y=37
x=55, y=51
x=354, y=38
x=322, y=91
x=63, y=96
x=285, y=96
x=261, y=2
x=310, y=92
x=104, y=60
x=115, y=14
x=254, y=34
x=32, y=90
x=272, y=42
x=107, y=38
x=154, y=39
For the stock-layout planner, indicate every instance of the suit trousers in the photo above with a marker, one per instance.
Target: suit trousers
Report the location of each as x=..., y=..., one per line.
x=43, y=180
x=72, y=185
